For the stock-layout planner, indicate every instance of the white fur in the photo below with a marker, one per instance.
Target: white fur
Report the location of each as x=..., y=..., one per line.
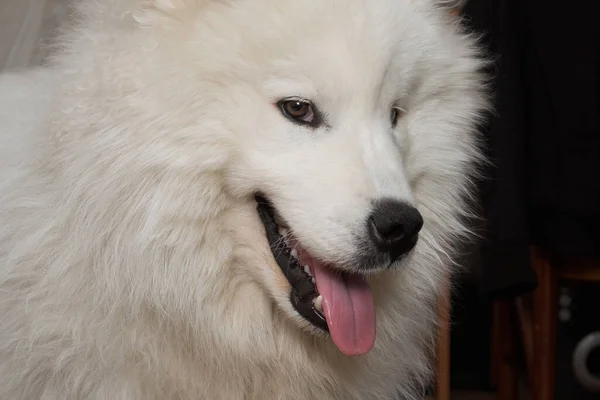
x=132, y=262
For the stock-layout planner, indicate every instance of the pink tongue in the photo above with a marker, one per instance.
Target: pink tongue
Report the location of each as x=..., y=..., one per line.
x=348, y=308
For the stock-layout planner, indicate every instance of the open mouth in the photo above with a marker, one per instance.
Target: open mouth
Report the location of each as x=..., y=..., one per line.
x=333, y=301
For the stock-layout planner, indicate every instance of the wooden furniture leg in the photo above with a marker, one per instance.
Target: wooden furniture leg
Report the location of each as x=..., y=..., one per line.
x=544, y=328
x=525, y=323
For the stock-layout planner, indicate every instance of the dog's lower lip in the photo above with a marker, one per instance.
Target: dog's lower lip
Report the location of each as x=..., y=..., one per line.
x=304, y=296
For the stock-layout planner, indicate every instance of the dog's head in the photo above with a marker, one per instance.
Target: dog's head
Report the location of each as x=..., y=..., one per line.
x=344, y=129
x=352, y=124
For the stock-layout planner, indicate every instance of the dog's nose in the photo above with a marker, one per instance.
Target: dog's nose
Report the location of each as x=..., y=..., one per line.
x=394, y=227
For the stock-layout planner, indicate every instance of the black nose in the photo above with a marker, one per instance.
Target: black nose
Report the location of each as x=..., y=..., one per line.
x=394, y=227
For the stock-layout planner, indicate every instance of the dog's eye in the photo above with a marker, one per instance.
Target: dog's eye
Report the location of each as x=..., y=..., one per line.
x=298, y=111
x=395, y=116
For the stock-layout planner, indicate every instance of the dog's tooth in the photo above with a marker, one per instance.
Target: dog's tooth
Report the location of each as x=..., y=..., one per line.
x=307, y=270
x=283, y=231
x=294, y=253
x=318, y=302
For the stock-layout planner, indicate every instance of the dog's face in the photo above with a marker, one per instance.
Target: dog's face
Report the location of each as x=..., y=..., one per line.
x=351, y=132
x=326, y=145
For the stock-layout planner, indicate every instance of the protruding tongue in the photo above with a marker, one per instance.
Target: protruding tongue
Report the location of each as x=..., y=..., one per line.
x=348, y=308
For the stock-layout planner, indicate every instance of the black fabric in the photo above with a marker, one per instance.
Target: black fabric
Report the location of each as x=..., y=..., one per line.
x=544, y=138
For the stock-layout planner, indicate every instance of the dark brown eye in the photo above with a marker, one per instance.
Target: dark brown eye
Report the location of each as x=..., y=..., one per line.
x=395, y=116
x=299, y=111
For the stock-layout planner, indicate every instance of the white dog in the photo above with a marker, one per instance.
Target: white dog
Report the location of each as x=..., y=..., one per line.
x=234, y=199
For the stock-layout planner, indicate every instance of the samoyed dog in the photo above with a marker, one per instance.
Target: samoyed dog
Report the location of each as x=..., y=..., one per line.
x=234, y=199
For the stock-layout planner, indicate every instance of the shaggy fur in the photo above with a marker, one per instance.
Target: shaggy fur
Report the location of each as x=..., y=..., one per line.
x=132, y=261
